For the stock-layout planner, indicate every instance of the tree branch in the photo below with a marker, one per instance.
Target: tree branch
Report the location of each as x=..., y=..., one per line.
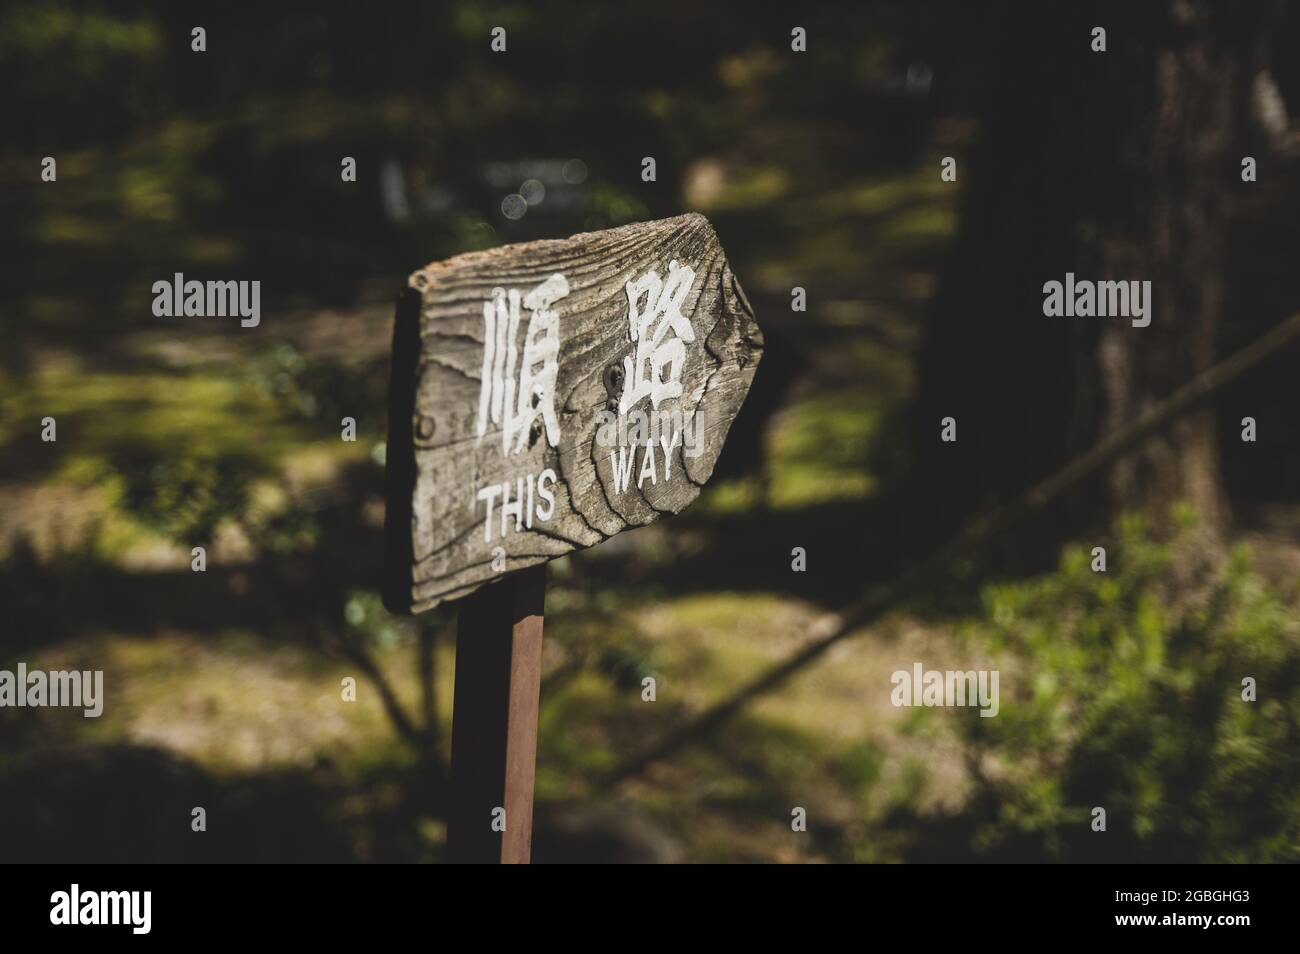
x=833, y=627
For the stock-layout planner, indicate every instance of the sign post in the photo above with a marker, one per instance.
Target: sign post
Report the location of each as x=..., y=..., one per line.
x=494, y=725
x=545, y=397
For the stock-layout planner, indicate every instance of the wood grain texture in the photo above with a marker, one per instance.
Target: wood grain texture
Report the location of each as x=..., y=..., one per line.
x=453, y=457
x=494, y=722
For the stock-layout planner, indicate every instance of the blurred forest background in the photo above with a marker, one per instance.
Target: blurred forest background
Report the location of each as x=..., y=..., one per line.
x=820, y=170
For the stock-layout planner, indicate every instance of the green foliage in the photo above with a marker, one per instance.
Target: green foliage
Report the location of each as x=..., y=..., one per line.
x=364, y=611
x=1123, y=689
x=185, y=497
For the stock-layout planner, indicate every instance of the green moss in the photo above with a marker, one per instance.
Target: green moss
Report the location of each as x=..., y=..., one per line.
x=819, y=451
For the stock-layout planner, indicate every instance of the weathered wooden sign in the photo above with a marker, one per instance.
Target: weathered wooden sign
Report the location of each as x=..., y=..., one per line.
x=555, y=393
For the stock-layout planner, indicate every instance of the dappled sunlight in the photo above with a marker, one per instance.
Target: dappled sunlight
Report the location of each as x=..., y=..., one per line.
x=888, y=297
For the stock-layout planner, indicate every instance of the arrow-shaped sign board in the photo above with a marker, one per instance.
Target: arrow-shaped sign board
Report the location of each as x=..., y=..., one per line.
x=548, y=395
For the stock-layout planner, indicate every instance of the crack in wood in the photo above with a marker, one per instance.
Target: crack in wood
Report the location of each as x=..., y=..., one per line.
x=488, y=457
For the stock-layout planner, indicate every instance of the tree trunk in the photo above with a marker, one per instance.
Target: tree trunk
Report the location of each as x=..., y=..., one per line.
x=1189, y=89
x=1114, y=165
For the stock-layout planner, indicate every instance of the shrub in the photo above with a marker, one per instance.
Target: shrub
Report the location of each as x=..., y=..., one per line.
x=1124, y=689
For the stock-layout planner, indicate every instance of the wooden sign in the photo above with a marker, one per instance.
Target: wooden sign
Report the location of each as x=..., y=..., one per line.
x=548, y=395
